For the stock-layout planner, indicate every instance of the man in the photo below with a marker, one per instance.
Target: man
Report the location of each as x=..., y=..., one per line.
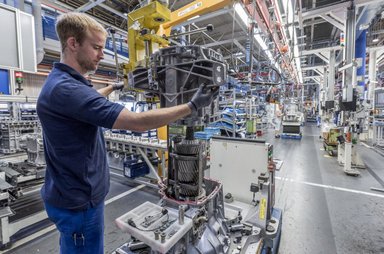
x=72, y=114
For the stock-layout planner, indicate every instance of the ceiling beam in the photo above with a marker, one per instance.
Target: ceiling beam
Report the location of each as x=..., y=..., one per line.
x=319, y=72
x=319, y=50
x=317, y=81
x=333, y=21
x=315, y=12
x=313, y=67
x=314, y=78
x=322, y=57
x=61, y=5
x=89, y=5
x=336, y=17
x=359, y=3
x=230, y=57
x=120, y=14
x=205, y=17
x=309, y=77
x=218, y=43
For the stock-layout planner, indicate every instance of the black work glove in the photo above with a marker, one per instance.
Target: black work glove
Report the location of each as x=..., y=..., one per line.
x=203, y=97
x=118, y=86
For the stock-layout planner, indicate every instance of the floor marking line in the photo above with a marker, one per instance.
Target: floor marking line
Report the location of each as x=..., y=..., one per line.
x=124, y=194
x=53, y=227
x=364, y=144
x=331, y=187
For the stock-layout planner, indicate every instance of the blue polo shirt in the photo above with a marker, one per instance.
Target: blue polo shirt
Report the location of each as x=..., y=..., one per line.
x=72, y=114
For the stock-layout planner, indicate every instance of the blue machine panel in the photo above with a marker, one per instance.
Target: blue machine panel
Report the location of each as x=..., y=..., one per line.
x=4, y=82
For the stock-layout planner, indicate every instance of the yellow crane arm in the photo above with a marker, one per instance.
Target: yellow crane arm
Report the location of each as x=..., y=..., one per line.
x=191, y=10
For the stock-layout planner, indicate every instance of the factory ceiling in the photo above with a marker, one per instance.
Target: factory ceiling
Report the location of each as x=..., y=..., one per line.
x=318, y=24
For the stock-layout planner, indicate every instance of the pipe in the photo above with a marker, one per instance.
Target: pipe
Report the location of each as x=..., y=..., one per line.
x=112, y=32
x=36, y=11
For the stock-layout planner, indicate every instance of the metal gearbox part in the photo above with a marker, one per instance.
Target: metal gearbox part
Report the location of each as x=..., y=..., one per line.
x=175, y=73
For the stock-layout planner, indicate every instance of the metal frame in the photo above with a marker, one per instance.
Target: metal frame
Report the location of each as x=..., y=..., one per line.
x=19, y=38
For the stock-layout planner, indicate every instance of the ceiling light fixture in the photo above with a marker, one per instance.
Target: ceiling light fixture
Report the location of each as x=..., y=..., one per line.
x=242, y=13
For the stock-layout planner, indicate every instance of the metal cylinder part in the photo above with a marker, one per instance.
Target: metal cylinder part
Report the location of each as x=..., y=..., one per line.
x=157, y=233
x=162, y=236
x=181, y=215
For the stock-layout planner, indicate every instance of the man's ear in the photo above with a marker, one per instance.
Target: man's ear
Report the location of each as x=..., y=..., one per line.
x=72, y=44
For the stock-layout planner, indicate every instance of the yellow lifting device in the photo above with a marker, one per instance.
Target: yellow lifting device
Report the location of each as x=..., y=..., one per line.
x=149, y=26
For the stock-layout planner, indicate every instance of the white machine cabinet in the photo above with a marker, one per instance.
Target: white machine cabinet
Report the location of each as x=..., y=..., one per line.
x=237, y=163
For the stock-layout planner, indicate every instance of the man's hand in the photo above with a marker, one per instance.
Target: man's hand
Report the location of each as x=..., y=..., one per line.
x=203, y=97
x=118, y=86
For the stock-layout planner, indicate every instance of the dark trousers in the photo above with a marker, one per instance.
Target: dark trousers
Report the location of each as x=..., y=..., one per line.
x=81, y=232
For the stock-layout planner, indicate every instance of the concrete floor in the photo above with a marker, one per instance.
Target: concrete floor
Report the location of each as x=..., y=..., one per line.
x=324, y=210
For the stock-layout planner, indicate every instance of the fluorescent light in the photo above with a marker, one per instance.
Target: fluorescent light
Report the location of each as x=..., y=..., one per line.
x=375, y=40
x=262, y=44
x=260, y=41
x=244, y=17
x=242, y=13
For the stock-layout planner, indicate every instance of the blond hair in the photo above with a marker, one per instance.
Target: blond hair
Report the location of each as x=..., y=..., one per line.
x=77, y=25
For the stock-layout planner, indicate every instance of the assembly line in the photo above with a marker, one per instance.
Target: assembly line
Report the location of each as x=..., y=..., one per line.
x=186, y=126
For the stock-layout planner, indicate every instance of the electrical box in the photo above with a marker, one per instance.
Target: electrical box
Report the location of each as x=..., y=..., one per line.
x=237, y=163
x=136, y=167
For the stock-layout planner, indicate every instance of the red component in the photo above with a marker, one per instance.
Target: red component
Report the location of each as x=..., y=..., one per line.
x=18, y=74
x=284, y=49
x=348, y=137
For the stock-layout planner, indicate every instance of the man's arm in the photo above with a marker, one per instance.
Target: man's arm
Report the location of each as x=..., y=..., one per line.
x=105, y=91
x=151, y=119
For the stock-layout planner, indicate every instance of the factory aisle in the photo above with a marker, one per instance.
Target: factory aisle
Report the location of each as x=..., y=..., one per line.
x=324, y=210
